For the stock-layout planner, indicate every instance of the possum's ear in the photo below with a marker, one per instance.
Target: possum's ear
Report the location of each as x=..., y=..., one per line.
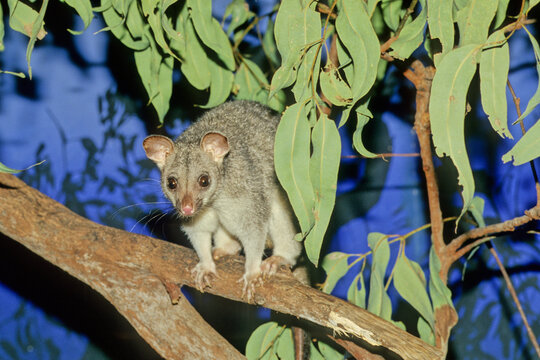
x=157, y=149
x=216, y=145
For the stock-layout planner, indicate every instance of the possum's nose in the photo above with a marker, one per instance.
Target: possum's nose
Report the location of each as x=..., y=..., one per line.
x=187, y=208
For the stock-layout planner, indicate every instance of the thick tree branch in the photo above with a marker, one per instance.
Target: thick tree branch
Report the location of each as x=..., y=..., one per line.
x=134, y=271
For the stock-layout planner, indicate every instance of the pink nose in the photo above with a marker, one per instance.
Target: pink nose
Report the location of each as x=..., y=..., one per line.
x=187, y=210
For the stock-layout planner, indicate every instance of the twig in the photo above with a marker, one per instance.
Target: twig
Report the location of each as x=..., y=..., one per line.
x=512, y=291
x=482, y=233
x=383, y=156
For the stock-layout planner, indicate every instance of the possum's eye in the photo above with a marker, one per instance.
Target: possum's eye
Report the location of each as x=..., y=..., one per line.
x=171, y=183
x=204, y=180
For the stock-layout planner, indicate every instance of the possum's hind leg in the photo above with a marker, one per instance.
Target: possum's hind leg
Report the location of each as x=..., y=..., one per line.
x=224, y=244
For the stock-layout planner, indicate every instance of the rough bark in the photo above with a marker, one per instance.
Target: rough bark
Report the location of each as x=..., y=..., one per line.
x=139, y=276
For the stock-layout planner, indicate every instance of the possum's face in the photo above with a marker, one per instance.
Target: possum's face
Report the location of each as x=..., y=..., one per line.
x=190, y=174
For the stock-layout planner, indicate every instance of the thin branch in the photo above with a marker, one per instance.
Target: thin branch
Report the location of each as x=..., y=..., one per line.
x=112, y=260
x=512, y=291
x=383, y=156
x=483, y=233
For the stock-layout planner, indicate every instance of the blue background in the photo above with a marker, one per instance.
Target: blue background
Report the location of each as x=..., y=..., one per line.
x=85, y=113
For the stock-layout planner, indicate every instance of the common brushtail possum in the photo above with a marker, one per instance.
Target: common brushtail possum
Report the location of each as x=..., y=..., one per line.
x=219, y=174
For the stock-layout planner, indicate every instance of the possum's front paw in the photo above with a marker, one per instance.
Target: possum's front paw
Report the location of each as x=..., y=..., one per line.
x=203, y=274
x=250, y=281
x=270, y=266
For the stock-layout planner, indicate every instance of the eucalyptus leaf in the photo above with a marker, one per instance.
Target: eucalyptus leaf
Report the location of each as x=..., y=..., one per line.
x=84, y=9
x=262, y=341
x=410, y=283
x=196, y=65
x=447, y=113
x=355, y=294
x=8, y=170
x=285, y=345
x=357, y=36
x=378, y=300
x=291, y=158
x=493, y=69
x=441, y=25
x=269, y=45
x=425, y=331
x=438, y=291
x=1, y=30
x=334, y=87
x=477, y=210
x=363, y=115
x=474, y=20
x=239, y=12
x=116, y=24
x=335, y=265
x=392, y=12
x=220, y=85
x=323, y=172
x=535, y=99
x=411, y=36
x=500, y=16
x=329, y=352
x=527, y=148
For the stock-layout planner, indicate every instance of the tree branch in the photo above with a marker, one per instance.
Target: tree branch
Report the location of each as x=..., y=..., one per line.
x=133, y=272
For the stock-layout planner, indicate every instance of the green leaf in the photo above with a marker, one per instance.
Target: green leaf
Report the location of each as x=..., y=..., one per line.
x=1, y=30
x=535, y=99
x=425, y=331
x=493, y=69
x=357, y=36
x=392, y=11
x=447, y=113
x=156, y=74
x=440, y=294
x=220, y=85
x=5, y=169
x=363, y=115
x=262, y=341
x=285, y=345
x=441, y=25
x=355, y=294
x=84, y=9
x=410, y=283
x=291, y=157
x=477, y=210
x=154, y=13
x=210, y=31
x=473, y=21
x=239, y=12
x=269, y=45
x=378, y=300
x=328, y=352
x=336, y=266
x=334, y=88
x=195, y=66
x=527, y=148
x=411, y=36
x=500, y=16
x=532, y=4
x=116, y=24
x=323, y=172
x=306, y=81
x=314, y=353
x=297, y=27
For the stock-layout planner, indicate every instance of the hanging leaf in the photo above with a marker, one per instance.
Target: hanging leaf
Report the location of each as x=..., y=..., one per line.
x=363, y=115
x=285, y=345
x=5, y=169
x=357, y=36
x=335, y=265
x=441, y=25
x=334, y=88
x=477, y=210
x=84, y=9
x=425, y=331
x=410, y=283
x=535, y=99
x=500, y=16
x=328, y=352
x=195, y=67
x=447, y=113
x=527, y=148
x=378, y=300
x=261, y=343
x=220, y=85
x=473, y=21
x=269, y=45
x=411, y=36
x=392, y=12
x=156, y=74
x=239, y=12
x=116, y=25
x=323, y=172
x=493, y=69
x=291, y=157
x=355, y=294
x=154, y=13
x=438, y=291
x=210, y=32
x=1, y=30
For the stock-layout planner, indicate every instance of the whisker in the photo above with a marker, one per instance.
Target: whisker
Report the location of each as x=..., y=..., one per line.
x=138, y=204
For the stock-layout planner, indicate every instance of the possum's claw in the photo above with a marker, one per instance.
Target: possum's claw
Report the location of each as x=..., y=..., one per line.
x=203, y=274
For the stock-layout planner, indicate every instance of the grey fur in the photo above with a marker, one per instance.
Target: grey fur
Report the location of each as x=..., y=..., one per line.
x=243, y=200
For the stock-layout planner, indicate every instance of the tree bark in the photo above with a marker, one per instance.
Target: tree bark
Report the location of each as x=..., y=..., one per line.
x=141, y=276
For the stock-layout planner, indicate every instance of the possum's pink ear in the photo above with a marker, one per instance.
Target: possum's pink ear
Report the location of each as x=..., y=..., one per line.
x=157, y=149
x=216, y=145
